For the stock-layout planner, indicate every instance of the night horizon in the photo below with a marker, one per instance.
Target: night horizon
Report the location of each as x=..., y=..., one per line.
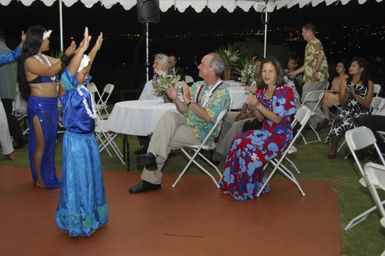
x=178, y=33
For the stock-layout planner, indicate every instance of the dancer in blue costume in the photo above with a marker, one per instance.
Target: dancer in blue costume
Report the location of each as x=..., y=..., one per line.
x=82, y=206
x=38, y=84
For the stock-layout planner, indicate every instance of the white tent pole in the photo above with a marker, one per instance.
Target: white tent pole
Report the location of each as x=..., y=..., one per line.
x=265, y=37
x=61, y=25
x=147, y=53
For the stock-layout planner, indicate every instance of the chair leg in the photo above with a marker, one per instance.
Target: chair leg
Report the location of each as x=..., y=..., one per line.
x=192, y=160
x=360, y=218
x=293, y=164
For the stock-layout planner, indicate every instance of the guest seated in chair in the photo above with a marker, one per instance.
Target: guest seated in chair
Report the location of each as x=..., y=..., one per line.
x=249, y=152
x=198, y=112
x=236, y=123
x=161, y=63
x=331, y=97
x=355, y=97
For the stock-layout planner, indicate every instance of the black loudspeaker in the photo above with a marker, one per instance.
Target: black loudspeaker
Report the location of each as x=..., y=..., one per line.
x=148, y=11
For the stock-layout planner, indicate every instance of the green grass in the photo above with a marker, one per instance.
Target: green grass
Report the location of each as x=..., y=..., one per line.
x=365, y=239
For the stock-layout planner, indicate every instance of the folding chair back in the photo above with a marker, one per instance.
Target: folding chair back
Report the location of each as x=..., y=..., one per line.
x=314, y=97
x=376, y=89
x=302, y=117
x=94, y=91
x=196, y=149
x=375, y=179
x=360, y=138
x=101, y=104
x=377, y=104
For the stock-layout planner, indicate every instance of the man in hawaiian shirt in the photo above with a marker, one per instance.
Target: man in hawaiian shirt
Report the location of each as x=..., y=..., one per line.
x=315, y=70
x=198, y=112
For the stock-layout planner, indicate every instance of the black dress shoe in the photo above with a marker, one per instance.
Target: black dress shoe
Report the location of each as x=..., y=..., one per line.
x=147, y=160
x=141, y=150
x=144, y=186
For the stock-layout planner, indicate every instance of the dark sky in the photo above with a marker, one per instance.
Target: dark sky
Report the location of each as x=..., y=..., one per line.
x=17, y=17
x=120, y=56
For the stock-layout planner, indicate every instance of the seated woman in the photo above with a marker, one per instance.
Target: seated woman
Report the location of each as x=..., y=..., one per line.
x=39, y=83
x=249, y=152
x=355, y=97
x=331, y=97
x=160, y=64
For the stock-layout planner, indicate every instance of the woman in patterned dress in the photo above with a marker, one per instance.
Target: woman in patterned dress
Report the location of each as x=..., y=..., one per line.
x=355, y=96
x=274, y=105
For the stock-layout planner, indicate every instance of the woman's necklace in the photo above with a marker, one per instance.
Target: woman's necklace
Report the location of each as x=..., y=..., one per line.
x=90, y=113
x=53, y=78
x=269, y=92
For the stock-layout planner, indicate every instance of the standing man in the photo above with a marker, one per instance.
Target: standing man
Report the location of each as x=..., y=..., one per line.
x=198, y=112
x=315, y=70
x=8, y=93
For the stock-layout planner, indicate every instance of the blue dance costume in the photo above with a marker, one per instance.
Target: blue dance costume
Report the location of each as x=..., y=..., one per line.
x=45, y=109
x=82, y=204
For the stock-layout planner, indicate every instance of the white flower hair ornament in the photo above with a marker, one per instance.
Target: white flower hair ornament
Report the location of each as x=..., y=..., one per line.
x=47, y=34
x=84, y=62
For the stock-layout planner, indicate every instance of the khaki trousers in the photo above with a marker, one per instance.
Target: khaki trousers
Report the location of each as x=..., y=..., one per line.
x=169, y=134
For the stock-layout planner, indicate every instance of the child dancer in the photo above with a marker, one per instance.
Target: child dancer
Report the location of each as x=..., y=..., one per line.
x=82, y=206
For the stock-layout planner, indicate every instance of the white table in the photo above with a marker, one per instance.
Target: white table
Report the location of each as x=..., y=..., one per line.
x=137, y=117
x=239, y=96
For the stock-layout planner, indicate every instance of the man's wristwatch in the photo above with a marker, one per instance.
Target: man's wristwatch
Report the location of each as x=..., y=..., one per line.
x=260, y=107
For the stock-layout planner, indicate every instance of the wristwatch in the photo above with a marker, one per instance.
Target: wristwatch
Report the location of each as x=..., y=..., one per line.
x=260, y=107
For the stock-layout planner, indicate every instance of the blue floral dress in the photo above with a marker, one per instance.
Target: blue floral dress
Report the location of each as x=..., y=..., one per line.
x=249, y=152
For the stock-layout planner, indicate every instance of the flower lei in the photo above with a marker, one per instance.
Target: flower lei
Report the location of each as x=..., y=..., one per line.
x=42, y=62
x=93, y=113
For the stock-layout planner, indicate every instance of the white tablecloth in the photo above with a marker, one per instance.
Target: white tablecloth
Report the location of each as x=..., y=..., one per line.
x=137, y=117
x=239, y=95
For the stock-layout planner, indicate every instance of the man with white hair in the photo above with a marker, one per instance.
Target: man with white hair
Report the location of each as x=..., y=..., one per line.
x=198, y=112
x=160, y=64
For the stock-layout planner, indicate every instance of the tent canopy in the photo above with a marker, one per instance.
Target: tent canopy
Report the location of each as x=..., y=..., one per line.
x=199, y=5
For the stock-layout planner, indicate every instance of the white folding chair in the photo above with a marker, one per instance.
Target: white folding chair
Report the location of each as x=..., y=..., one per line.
x=302, y=117
x=377, y=104
x=197, y=148
x=357, y=139
x=376, y=89
x=101, y=104
x=188, y=79
x=314, y=97
x=94, y=90
x=106, y=138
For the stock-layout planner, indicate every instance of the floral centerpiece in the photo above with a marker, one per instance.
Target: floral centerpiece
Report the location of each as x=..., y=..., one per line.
x=230, y=56
x=247, y=73
x=162, y=80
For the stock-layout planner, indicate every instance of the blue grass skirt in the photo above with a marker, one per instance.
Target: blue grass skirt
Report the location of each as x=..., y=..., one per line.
x=82, y=204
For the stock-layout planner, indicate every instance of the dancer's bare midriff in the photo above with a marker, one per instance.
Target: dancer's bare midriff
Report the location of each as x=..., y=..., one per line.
x=44, y=89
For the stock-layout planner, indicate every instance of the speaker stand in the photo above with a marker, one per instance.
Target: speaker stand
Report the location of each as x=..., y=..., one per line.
x=147, y=53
